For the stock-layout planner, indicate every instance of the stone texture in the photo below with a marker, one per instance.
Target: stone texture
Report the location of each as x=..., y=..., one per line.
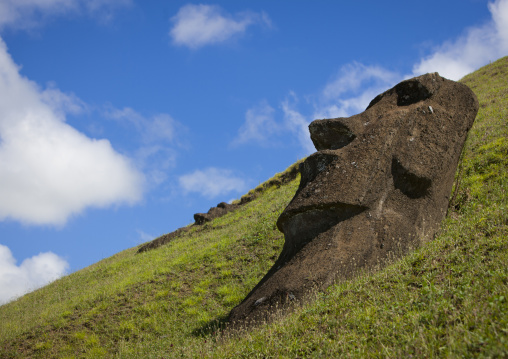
x=214, y=212
x=378, y=187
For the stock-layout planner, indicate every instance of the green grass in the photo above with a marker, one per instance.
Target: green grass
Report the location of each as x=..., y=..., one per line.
x=169, y=296
x=447, y=299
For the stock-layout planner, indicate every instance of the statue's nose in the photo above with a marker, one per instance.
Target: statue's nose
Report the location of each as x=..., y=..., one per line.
x=330, y=134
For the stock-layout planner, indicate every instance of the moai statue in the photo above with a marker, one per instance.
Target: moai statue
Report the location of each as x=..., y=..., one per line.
x=377, y=187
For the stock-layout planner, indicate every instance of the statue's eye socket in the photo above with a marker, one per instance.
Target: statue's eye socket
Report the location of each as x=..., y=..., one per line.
x=410, y=184
x=410, y=92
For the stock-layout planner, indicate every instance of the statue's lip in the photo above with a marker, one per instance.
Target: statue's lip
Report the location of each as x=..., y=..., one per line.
x=339, y=210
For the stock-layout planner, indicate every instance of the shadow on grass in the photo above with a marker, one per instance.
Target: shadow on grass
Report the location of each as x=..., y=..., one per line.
x=211, y=327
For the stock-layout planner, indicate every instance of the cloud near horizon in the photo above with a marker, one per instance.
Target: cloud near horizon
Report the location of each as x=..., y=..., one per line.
x=48, y=170
x=32, y=273
x=196, y=26
x=212, y=182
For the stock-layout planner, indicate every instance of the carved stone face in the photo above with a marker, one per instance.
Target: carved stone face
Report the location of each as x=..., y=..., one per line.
x=392, y=166
x=378, y=186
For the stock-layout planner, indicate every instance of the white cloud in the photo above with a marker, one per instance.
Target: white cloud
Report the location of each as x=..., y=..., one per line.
x=28, y=13
x=212, y=182
x=199, y=25
x=259, y=125
x=475, y=48
x=31, y=274
x=48, y=170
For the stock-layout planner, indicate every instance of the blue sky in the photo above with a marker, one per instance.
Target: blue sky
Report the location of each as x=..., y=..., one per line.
x=120, y=119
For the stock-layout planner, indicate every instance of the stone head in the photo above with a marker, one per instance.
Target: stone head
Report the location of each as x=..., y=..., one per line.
x=391, y=166
x=378, y=186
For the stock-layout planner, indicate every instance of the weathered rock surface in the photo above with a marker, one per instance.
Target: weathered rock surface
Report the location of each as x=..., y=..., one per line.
x=214, y=212
x=378, y=187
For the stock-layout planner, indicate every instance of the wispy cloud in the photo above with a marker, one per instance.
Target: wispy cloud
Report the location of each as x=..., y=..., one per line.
x=62, y=103
x=212, y=182
x=32, y=273
x=160, y=128
x=347, y=93
x=352, y=88
x=297, y=123
x=159, y=136
x=353, y=77
x=263, y=128
x=28, y=13
x=259, y=126
x=195, y=26
x=479, y=45
x=355, y=84
x=48, y=170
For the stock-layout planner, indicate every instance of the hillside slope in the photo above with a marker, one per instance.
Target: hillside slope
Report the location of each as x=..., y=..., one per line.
x=449, y=298
x=166, y=296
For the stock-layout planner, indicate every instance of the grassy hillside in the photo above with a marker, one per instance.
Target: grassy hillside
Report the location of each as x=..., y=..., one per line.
x=447, y=299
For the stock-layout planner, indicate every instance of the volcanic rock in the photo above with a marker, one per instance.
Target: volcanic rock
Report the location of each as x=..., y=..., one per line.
x=378, y=187
x=159, y=241
x=214, y=212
